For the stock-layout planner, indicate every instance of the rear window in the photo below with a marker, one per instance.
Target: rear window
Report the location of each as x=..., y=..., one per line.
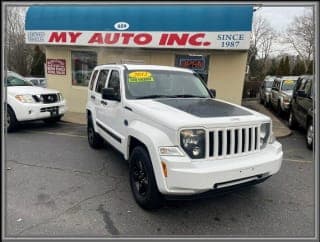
x=269, y=84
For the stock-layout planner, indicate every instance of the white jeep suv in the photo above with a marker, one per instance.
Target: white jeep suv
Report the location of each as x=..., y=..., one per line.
x=179, y=140
x=26, y=102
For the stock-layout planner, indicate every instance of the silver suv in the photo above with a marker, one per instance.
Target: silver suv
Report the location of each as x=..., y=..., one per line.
x=281, y=93
x=265, y=90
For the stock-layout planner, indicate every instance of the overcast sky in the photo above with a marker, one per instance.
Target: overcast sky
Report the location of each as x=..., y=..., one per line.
x=279, y=19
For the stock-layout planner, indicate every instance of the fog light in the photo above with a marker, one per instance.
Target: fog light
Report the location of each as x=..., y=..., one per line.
x=30, y=111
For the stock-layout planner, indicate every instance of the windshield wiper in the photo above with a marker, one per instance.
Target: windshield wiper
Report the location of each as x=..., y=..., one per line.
x=188, y=95
x=170, y=96
x=152, y=96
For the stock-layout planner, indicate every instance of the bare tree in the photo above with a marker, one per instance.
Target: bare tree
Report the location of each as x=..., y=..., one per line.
x=300, y=35
x=18, y=53
x=262, y=38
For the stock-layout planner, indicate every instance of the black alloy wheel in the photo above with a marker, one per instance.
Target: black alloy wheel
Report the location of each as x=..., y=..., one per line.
x=140, y=178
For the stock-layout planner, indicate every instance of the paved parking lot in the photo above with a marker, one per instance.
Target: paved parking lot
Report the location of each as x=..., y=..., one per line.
x=56, y=185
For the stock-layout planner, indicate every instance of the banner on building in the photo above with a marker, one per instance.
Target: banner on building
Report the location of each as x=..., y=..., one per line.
x=194, y=26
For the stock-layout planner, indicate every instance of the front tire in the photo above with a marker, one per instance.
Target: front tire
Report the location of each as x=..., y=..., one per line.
x=11, y=122
x=309, y=136
x=261, y=100
x=94, y=139
x=279, y=110
x=292, y=121
x=142, y=180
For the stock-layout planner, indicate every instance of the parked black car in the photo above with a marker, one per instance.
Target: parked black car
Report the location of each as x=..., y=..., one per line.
x=302, y=110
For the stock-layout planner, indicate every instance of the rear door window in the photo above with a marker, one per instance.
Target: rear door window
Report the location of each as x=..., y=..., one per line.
x=93, y=78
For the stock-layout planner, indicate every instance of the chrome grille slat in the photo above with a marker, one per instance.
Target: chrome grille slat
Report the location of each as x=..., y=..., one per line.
x=237, y=141
x=257, y=138
x=224, y=142
x=240, y=141
x=246, y=147
x=216, y=144
x=232, y=141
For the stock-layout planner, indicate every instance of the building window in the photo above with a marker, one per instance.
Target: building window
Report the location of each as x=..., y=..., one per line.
x=198, y=63
x=83, y=63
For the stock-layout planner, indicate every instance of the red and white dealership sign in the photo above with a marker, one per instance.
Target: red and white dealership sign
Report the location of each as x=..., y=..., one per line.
x=56, y=66
x=193, y=40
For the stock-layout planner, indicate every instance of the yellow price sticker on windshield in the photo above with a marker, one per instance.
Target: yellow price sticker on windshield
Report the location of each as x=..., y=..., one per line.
x=288, y=81
x=140, y=76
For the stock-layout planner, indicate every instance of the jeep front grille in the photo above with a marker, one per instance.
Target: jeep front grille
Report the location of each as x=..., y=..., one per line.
x=226, y=142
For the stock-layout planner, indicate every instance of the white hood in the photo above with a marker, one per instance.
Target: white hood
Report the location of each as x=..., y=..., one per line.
x=175, y=118
x=31, y=90
x=288, y=93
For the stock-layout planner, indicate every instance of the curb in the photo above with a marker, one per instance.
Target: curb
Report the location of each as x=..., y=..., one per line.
x=284, y=136
x=71, y=122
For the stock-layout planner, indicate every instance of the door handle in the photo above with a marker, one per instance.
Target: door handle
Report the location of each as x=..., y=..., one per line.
x=93, y=97
x=104, y=102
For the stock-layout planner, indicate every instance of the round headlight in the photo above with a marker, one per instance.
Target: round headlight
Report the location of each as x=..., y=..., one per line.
x=264, y=134
x=193, y=142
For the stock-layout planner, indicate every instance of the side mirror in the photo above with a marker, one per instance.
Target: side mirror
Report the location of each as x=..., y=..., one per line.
x=213, y=92
x=301, y=93
x=110, y=94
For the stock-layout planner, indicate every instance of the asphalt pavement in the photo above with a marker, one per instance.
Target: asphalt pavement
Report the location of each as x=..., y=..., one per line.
x=56, y=185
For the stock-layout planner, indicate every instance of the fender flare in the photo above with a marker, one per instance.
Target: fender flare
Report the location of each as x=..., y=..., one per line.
x=152, y=138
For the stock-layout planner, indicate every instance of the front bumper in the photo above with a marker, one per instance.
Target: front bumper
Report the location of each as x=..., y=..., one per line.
x=186, y=177
x=285, y=106
x=36, y=111
x=268, y=96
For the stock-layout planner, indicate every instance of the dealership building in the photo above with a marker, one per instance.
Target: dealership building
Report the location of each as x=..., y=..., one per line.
x=209, y=38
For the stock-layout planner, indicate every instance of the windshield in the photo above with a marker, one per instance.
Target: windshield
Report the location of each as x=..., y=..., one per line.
x=15, y=81
x=159, y=83
x=288, y=85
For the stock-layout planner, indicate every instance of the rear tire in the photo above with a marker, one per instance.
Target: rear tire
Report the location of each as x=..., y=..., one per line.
x=142, y=180
x=11, y=122
x=310, y=136
x=94, y=139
